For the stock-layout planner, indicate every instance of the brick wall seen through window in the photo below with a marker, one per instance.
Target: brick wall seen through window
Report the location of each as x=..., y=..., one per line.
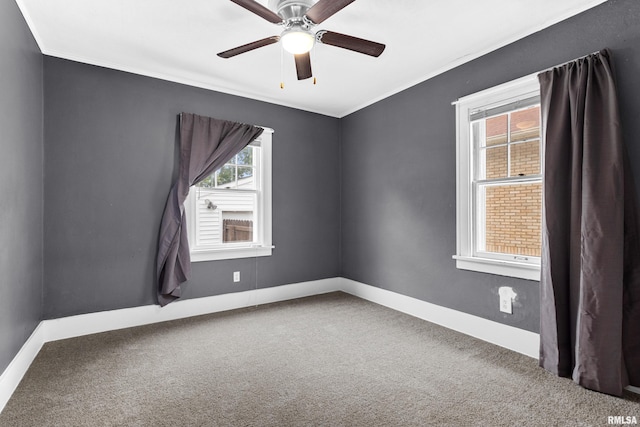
x=513, y=210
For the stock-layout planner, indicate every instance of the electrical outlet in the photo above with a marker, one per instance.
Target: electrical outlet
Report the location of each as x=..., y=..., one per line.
x=505, y=305
x=507, y=296
x=236, y=276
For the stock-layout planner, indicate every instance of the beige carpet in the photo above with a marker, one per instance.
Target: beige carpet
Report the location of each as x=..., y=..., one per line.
x=329, y=360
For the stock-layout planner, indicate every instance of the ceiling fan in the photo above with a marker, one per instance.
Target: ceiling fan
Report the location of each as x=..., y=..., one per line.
x=299, y=17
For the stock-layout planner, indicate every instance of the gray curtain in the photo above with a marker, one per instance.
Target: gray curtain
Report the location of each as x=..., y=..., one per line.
x=205, y=145
x=590, y=281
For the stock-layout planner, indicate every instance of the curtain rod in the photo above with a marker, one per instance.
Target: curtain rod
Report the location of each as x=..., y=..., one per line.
x=266, y=128
x=519, y=80
x=569, y=62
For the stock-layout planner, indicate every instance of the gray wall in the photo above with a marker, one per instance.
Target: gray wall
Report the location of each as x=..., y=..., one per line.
x=110, y=158
x=20, y=182
x=398, y=166
x=389, y=222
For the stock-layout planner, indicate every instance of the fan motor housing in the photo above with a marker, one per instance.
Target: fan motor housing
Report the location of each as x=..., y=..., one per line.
x=291, y=9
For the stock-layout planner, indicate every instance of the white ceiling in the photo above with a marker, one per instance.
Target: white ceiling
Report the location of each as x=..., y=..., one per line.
x=178, y=41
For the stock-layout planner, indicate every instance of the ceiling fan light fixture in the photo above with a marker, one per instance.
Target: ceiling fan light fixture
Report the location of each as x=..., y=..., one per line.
x=299, y=18
x=297, y=40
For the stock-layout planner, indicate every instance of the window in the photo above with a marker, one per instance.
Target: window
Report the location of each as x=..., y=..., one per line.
x=229, y=212
x=499, y=180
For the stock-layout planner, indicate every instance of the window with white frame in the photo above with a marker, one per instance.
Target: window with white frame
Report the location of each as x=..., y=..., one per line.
x=229, y=213
x=499, y=180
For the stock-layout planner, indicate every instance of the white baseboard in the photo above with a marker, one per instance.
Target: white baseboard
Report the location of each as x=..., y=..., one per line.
x=12, y=376
x=92, y=323
x=509, y=337
x=633, y=389
x=515, y=339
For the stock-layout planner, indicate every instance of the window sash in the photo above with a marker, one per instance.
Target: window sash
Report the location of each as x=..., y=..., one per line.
x=260, y=206
x=236, y=167
x=479, y=231
x=200, y=243
x=480, y=148
x=518, y=94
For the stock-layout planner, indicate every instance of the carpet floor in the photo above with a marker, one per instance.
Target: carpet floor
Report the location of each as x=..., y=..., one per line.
x=327, y=360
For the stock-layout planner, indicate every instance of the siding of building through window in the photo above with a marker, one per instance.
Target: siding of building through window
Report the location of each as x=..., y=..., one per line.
x=239, y=206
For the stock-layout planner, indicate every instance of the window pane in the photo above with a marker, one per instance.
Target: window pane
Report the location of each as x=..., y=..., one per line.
x=229, y=213
x=245, y=172
x=237, y=226
x=245, y=157
x=208, y=182
x=496, y=130
x=525, y=158
x=496, y=162
x=510, y=219
x=525, y=124
x=246, y=178
x=214, y=207
x=226, y=176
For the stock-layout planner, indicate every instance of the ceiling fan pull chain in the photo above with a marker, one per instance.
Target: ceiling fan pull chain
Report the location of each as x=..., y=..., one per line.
x=299, y=17
x=281, y=68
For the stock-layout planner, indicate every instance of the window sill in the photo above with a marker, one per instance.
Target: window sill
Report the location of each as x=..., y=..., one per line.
x=230, y=253
x=520, y=270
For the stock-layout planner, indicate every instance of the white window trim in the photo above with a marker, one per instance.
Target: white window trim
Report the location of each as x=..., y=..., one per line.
x=264, y=219
x=465, y=257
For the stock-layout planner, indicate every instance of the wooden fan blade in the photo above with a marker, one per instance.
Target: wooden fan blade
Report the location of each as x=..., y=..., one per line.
x=325, y=9
x=259, y=10
x=248, y=47
x=303, y=65
x=349, y=42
